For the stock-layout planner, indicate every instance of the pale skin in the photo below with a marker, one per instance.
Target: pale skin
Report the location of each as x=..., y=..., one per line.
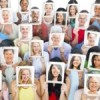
x=5, y=16
x=14, y=90
x=36, y=49
x=3, y=3
x=48, y=9
x=82, y=20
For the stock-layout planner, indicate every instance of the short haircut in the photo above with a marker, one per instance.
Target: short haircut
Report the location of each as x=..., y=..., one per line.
x=5, y=50
x=23, y=0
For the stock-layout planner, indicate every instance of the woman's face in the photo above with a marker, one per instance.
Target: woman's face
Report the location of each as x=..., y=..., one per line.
x=36, y=47
x=48, y=9
x=60, y=17
x=55, y=71
x=3, y=3
x=25, y=75
x=5, y=16
x=94, y=84
x=97, y=10
x=72, y=10
x=97, y=61
x=76, y=62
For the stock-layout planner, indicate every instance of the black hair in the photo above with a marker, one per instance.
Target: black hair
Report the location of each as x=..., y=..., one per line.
x=61, y=9
x=22, y=0
x=49, y=1
x=84, y=11
x=97, y=1
x=35, y=7
x=92, y=49
x=93, y=28
x=72, y=2
x=6, y=43
x=93, y=57
x=50, y=76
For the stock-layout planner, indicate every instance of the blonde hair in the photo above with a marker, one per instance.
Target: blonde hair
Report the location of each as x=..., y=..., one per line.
x=20, y=76
x=32, y=51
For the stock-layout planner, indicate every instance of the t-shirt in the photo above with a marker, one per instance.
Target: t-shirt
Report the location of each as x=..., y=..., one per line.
x=80, y=35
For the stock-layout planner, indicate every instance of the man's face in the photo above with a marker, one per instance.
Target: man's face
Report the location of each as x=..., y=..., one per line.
x=82, y=20
x=8, y=55
x=4, y=3
x=24, y=31
x=35, y=16
x=24, y=5
x=91, y=39
x=56, y=39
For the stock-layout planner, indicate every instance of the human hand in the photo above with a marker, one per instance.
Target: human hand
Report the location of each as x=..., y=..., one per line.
x=62, y=50
x=65, y=28
x=75, y=31
x=49, y=49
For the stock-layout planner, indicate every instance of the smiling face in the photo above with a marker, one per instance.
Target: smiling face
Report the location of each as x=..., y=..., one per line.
x=91, y=39
x=5, y=16
x=24, y=5
x=9, y=55
x=82, y=20
x=25, y=75
x=36, y=48
x=97, y=11
x=55, y=71
x=72, y=10
x=93, y=85
x=60, y=18
x=48, y=9
x=76, y=62
x=55, y=39
x=3, y=3
x=35, y=16
x=24, y=31
x=96, y=61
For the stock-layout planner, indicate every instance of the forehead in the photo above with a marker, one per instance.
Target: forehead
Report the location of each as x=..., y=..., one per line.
x=97, y=6
x=93, y=79
x=5, y=11
x=48, y=5
x=35, y=11
x=25, y=70
x=26, y=27
x=82, y=16
x=35, y=43
x=56, y=35
x=3, y=0
x=8, y=52
x=92, y=34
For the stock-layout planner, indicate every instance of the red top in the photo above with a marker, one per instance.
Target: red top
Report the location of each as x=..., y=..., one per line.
x=41, y=31
x=53, y=96
x=80, y=35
